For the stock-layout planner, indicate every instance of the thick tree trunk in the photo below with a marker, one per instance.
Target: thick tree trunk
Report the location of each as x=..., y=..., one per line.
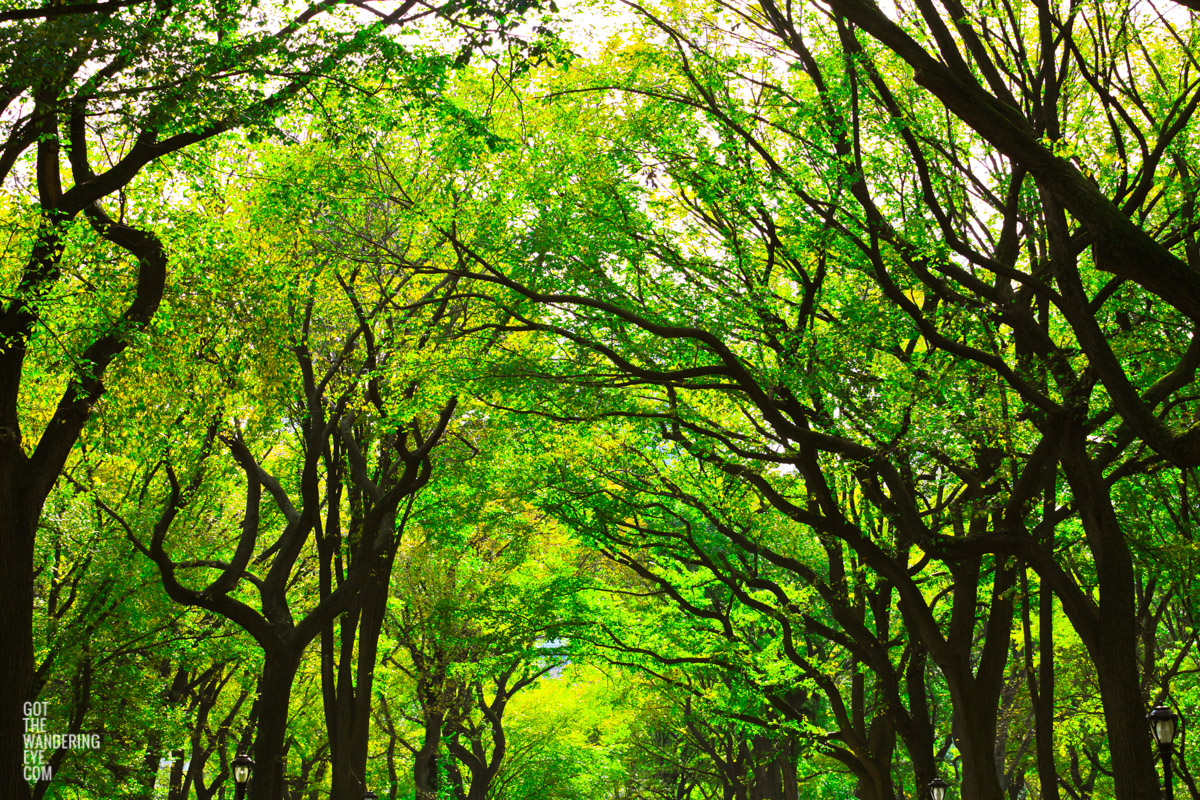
x=275, y=691
x=349, y=733
x=977, y=746
x=916, y=731
x=338, y=690
x=19, y=521
x=875, y=779
x=1125, y=717
x=483, y=768
x=979, y=703
x=425, y=762
x=177, y=790
x=1113, y=642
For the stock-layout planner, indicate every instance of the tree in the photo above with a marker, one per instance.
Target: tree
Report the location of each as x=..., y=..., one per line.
x=802, y=635
x=93, y=95
x=877, y=396
x=483, y=610
x=812, y=272
x=359, y=432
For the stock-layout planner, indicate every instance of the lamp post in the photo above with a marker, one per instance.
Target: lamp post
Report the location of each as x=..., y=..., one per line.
x=937, y=789
x=1164, y=724
x=242, y=764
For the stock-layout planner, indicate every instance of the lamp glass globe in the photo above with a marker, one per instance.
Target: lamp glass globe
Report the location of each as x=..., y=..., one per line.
x=1163, y=724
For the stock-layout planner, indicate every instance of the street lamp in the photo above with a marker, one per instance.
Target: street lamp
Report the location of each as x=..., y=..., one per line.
x=242, y=764
x=937, y=789
x=1164, y=724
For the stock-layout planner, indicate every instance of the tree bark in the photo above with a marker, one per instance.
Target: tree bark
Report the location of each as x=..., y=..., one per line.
x=1113, y=647
x=348, y=718
x=274, y=693
x=425, y=761
x=16, y=621
x=1044, y=725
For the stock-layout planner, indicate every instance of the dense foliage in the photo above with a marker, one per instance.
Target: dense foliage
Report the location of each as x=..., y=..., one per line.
x=658, y=400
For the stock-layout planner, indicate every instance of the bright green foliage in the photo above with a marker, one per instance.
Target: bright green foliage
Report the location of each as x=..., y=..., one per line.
x=813, y=392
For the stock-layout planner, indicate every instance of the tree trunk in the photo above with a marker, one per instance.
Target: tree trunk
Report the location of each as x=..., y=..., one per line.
x=1125, y=717
x=350, y=729
x=274, y=693
x=1113, y=645
x=978, y=748
x=16, y=621
x=791, y=787
x=425, y=762
x=1044, y=725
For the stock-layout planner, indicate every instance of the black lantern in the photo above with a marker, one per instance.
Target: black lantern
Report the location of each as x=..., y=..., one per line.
x=242, y=765
x=370, y=795
x=937, y=789
x=1163, y=723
